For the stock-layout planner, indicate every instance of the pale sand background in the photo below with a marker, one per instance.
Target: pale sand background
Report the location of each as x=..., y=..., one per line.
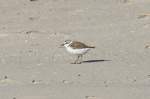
x=33, y=67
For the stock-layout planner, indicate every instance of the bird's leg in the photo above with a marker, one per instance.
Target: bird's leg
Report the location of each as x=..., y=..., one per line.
x=76, y=61
x=80, y=59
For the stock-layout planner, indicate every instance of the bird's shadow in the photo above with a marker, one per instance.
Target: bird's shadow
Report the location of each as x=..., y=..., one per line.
x=94, y=61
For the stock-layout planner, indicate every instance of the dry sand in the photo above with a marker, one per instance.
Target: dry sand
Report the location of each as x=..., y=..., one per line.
x=32, y=66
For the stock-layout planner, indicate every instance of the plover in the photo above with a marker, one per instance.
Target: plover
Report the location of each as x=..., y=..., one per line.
x=77, y=48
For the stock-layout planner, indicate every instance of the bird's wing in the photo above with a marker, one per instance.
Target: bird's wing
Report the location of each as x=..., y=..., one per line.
x=79, y=45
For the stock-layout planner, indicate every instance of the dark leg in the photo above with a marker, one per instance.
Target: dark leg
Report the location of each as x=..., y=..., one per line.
x=80, y=59
x=76, y=61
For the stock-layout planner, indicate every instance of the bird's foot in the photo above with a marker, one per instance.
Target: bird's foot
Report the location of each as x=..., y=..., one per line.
x=73, y=63
x=79, y=62
x=76, y=62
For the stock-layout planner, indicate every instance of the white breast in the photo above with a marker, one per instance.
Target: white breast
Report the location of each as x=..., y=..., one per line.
x=77, y=51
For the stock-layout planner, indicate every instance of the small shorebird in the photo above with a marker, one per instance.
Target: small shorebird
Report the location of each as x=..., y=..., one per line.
x=77, y=48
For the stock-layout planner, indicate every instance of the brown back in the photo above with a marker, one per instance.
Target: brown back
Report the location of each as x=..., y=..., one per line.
x=79, y=45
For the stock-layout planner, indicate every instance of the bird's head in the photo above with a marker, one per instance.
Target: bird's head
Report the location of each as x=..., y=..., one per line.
x=66, y=43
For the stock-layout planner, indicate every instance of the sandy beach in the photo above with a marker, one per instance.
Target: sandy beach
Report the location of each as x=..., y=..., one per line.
x=33, y=66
